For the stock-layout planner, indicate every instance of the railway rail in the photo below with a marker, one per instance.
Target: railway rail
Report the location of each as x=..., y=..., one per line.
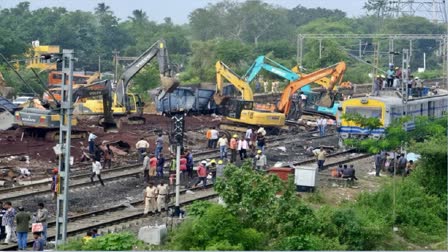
x=132, y=215
x=119, y=173
x=116, y=215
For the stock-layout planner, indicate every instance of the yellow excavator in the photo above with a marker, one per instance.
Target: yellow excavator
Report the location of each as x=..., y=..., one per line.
x=39, y=121
x=56, y=91
x=125, y=103
x=241, y=111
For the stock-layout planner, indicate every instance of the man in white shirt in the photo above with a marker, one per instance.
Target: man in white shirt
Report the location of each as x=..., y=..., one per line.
x=242, y=148
x=96, y=170
x=142, y=145
x=222, y=143
x=91, y=140
x=265, y=86
x=214, y=137
x=303, y=97
x=321, y=124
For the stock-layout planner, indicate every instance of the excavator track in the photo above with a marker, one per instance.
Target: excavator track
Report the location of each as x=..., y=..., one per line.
x=51, y=135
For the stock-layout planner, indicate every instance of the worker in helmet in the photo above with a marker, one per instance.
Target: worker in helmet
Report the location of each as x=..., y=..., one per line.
x=219, y=169
x=260, y=161
x=212, y=169
x=202, y=174
x=233, y=148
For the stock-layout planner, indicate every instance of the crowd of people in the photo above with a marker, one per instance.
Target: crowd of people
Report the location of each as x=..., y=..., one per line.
x=394, y=163
x=345, y=171
x=274, y=86
x=393, y=79
x=15, y=226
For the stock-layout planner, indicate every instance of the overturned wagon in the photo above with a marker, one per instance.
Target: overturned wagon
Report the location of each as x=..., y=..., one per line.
x=190, y=100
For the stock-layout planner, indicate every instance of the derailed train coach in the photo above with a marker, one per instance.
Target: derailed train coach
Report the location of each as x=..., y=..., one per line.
x=388, y=108
x=191, y=100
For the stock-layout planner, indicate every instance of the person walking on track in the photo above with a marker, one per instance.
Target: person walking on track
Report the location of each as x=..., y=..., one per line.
x=96, y=171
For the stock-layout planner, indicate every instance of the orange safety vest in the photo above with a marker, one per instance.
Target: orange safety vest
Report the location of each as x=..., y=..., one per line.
x=209, y=134
x=233, y=144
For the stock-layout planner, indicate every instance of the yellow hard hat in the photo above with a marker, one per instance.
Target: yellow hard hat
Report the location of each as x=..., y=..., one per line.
x=259, y=151
x=235, y=135
x=213, y=161
x=220, y=162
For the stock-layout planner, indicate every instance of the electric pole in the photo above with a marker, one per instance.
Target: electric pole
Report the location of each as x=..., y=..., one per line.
x=64, y=144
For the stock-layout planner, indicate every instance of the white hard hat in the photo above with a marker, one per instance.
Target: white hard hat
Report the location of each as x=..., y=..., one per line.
x=204, y=162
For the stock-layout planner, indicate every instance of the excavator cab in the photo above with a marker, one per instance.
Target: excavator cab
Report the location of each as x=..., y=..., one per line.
x=234, y=107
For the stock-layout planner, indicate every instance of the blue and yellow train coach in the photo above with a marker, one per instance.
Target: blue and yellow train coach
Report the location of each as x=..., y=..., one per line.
x=388, y=109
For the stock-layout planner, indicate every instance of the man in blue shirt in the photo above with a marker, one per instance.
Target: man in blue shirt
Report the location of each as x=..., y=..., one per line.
x=390, y=76
x=8, y=222
x=38, y=244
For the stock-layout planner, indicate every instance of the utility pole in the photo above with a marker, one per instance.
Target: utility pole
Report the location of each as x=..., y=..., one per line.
x=64, y=144
x=116, y=53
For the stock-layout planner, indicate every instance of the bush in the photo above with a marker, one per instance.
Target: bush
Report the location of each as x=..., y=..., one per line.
x=415, y=211
x=198, y=208
x=108, y=242
x=308, y=242
x=216, y=229
x=359, y=229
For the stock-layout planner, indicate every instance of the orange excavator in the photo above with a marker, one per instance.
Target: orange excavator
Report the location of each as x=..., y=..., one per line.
x=291, y=106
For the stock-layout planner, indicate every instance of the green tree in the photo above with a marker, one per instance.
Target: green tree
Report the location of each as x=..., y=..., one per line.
x=301, y=15
x=201, y=66
x=109, y=34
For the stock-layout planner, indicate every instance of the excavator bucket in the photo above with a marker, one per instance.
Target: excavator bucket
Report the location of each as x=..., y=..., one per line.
x=169, y=83
x=110, y=127
x=220, y=99
x=327, y=100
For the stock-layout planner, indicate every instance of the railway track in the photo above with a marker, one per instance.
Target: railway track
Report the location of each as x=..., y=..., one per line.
x=122, y=215
x=119, y=173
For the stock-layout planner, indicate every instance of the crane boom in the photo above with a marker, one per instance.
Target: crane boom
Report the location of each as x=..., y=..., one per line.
x=223, y=71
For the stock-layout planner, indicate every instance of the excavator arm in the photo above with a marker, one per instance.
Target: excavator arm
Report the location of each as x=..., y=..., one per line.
x=324, y=82
x=100, y=88
x=336, y=72
x=169, y=83
x=273, y=67
x=223, y=71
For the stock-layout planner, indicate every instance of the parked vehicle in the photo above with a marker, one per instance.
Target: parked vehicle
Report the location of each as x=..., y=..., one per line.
x=21, y=100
